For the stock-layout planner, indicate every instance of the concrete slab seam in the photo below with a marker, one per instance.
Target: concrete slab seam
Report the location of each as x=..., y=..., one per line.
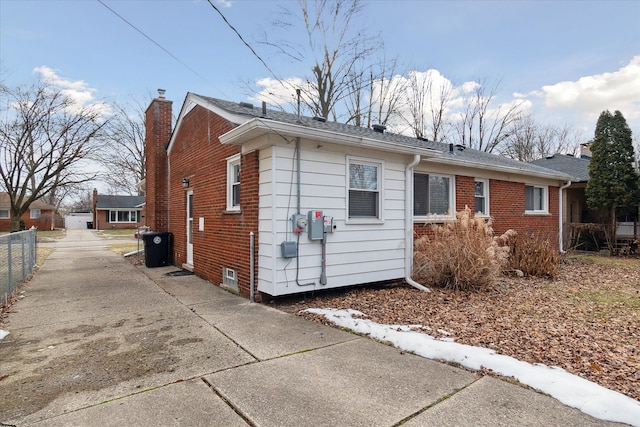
x=228, y=402
x=431, y=405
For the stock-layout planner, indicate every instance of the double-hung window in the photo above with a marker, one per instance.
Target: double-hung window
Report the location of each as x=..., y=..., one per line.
x=432, y=196
x=364, y=189
x=123, y=216
x=535, y=199
x=482, y=196
x=34, y=213
x=4, y=213
x=233, y=183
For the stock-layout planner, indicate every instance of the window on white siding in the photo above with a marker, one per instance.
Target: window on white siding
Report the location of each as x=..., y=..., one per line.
x=123, y=216
x=364, y=189
x=233, y=183
x=432, y=196
x=482, y=196
x=4, y=213
x=34, y=213
x=535, y=199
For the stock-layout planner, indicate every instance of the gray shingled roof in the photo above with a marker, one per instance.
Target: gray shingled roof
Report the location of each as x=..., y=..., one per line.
x=568, y=164
x=460, y=153
x=106, y=201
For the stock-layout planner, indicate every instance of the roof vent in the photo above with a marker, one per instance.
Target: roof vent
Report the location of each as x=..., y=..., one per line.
x=379, y=128
x=264, y=110
x=422, y=138
x=246, y=105
x=320, y=119
x=460, y=147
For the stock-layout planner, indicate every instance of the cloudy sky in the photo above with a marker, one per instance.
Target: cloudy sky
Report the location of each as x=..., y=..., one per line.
x=569, y=60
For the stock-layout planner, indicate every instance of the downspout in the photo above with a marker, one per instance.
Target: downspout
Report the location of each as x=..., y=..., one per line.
x=408, y=225
x=560, y=217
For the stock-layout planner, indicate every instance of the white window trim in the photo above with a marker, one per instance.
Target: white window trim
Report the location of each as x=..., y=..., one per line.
x=545, y=200
x=7, y=216
x=134, y=212
x=33, y=215
x=486, y=197
x=231, y=162
x=380, y=165
x=452, y=200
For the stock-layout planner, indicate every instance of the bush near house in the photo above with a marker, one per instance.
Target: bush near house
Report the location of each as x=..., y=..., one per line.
x=461, y=254
x=465, y=255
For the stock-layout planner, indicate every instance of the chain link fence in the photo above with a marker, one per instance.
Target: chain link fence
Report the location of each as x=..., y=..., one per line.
x=17, y=261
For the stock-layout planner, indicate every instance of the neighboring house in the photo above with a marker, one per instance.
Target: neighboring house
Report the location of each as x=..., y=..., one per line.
x=117, y=212
x=576, y=212
x=40, y=215
x=328, y=205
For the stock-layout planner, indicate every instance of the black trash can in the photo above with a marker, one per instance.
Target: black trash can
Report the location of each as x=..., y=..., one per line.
x=157, y=248
x=90, y=225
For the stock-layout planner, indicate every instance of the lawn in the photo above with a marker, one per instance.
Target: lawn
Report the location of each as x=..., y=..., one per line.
x=116, y=234
x=586, y=321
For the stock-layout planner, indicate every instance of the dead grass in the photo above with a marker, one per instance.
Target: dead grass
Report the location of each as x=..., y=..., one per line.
x=123, y=248
x=586, y=320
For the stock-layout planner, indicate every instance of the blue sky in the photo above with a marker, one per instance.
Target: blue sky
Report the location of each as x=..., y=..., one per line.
x=569, y=59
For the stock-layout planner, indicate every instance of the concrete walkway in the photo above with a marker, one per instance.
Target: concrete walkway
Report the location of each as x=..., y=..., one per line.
x=99, y=342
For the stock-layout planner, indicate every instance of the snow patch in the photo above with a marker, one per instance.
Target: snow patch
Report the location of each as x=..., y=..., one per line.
x=571, y=390
x=3, y=333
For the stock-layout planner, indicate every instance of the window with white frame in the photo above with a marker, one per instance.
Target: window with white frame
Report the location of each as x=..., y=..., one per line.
x=535, y=199
x=482, y=196
x=123, y=216
x=34, y=213
x=433, y=195
x=364, y=189
x=233, y=183
x=4, y=213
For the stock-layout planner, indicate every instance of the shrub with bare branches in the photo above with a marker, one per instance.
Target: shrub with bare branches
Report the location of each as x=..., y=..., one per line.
x=461, y=254
x=533, y=255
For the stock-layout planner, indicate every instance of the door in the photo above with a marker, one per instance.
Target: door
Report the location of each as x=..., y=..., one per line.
x=190, y=227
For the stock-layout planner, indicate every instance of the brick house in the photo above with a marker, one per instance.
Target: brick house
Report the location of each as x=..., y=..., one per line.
x=117, y=212
x=40, y=215
x=328, y=205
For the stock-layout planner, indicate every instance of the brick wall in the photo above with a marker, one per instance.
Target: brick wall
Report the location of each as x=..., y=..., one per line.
x=506, y=206
x=196, y=154
x=158, y=133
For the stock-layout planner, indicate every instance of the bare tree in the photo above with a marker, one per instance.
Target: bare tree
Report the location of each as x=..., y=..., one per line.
x=481, y=125
x=44, y=138
x=337, y=53
x=528, y=140
x=123, y=152
x=426, y=101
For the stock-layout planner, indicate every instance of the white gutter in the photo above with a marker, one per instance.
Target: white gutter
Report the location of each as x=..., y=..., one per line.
x=560, y=217
x=408, y=225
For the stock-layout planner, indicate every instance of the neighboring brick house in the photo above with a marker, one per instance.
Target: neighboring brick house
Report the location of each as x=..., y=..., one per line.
x=40, y=215
x=329, y=205
x=117, y=212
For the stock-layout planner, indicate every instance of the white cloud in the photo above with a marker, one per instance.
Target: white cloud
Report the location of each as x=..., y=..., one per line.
x=590, y=95
x=77, y=91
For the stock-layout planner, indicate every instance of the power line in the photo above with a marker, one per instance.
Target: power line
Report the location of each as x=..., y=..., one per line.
x=153, y=41
x=247, y=44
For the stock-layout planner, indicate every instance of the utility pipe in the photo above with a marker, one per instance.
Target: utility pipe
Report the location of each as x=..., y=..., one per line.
x=408, y=225
x=252, y=266
x=560, y=217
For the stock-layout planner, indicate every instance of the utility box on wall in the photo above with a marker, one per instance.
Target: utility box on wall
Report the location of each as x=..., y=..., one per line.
x=315, y=225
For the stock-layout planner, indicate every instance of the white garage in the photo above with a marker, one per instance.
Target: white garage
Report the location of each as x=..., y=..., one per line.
x=77, y=219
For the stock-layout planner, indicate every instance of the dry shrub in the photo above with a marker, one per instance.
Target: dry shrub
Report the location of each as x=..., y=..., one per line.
x=461, y=254
x=533, y=255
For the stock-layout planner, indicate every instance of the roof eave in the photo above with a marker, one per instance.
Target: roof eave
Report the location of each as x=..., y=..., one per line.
x=512, y=169
x=257, y=127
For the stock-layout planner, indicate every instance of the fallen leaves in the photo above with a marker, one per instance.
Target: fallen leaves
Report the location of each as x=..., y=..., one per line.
x=586, y=321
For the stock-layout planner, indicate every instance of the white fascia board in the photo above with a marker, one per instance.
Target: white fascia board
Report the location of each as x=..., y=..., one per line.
x=512, y=169
x=257, y=127
x=190, y=101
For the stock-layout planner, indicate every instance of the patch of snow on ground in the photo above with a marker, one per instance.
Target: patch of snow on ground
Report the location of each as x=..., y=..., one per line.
x=3, y=333
x=571, y=390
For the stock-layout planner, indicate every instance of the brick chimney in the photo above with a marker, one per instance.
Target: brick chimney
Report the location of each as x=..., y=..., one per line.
x=158, y=134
